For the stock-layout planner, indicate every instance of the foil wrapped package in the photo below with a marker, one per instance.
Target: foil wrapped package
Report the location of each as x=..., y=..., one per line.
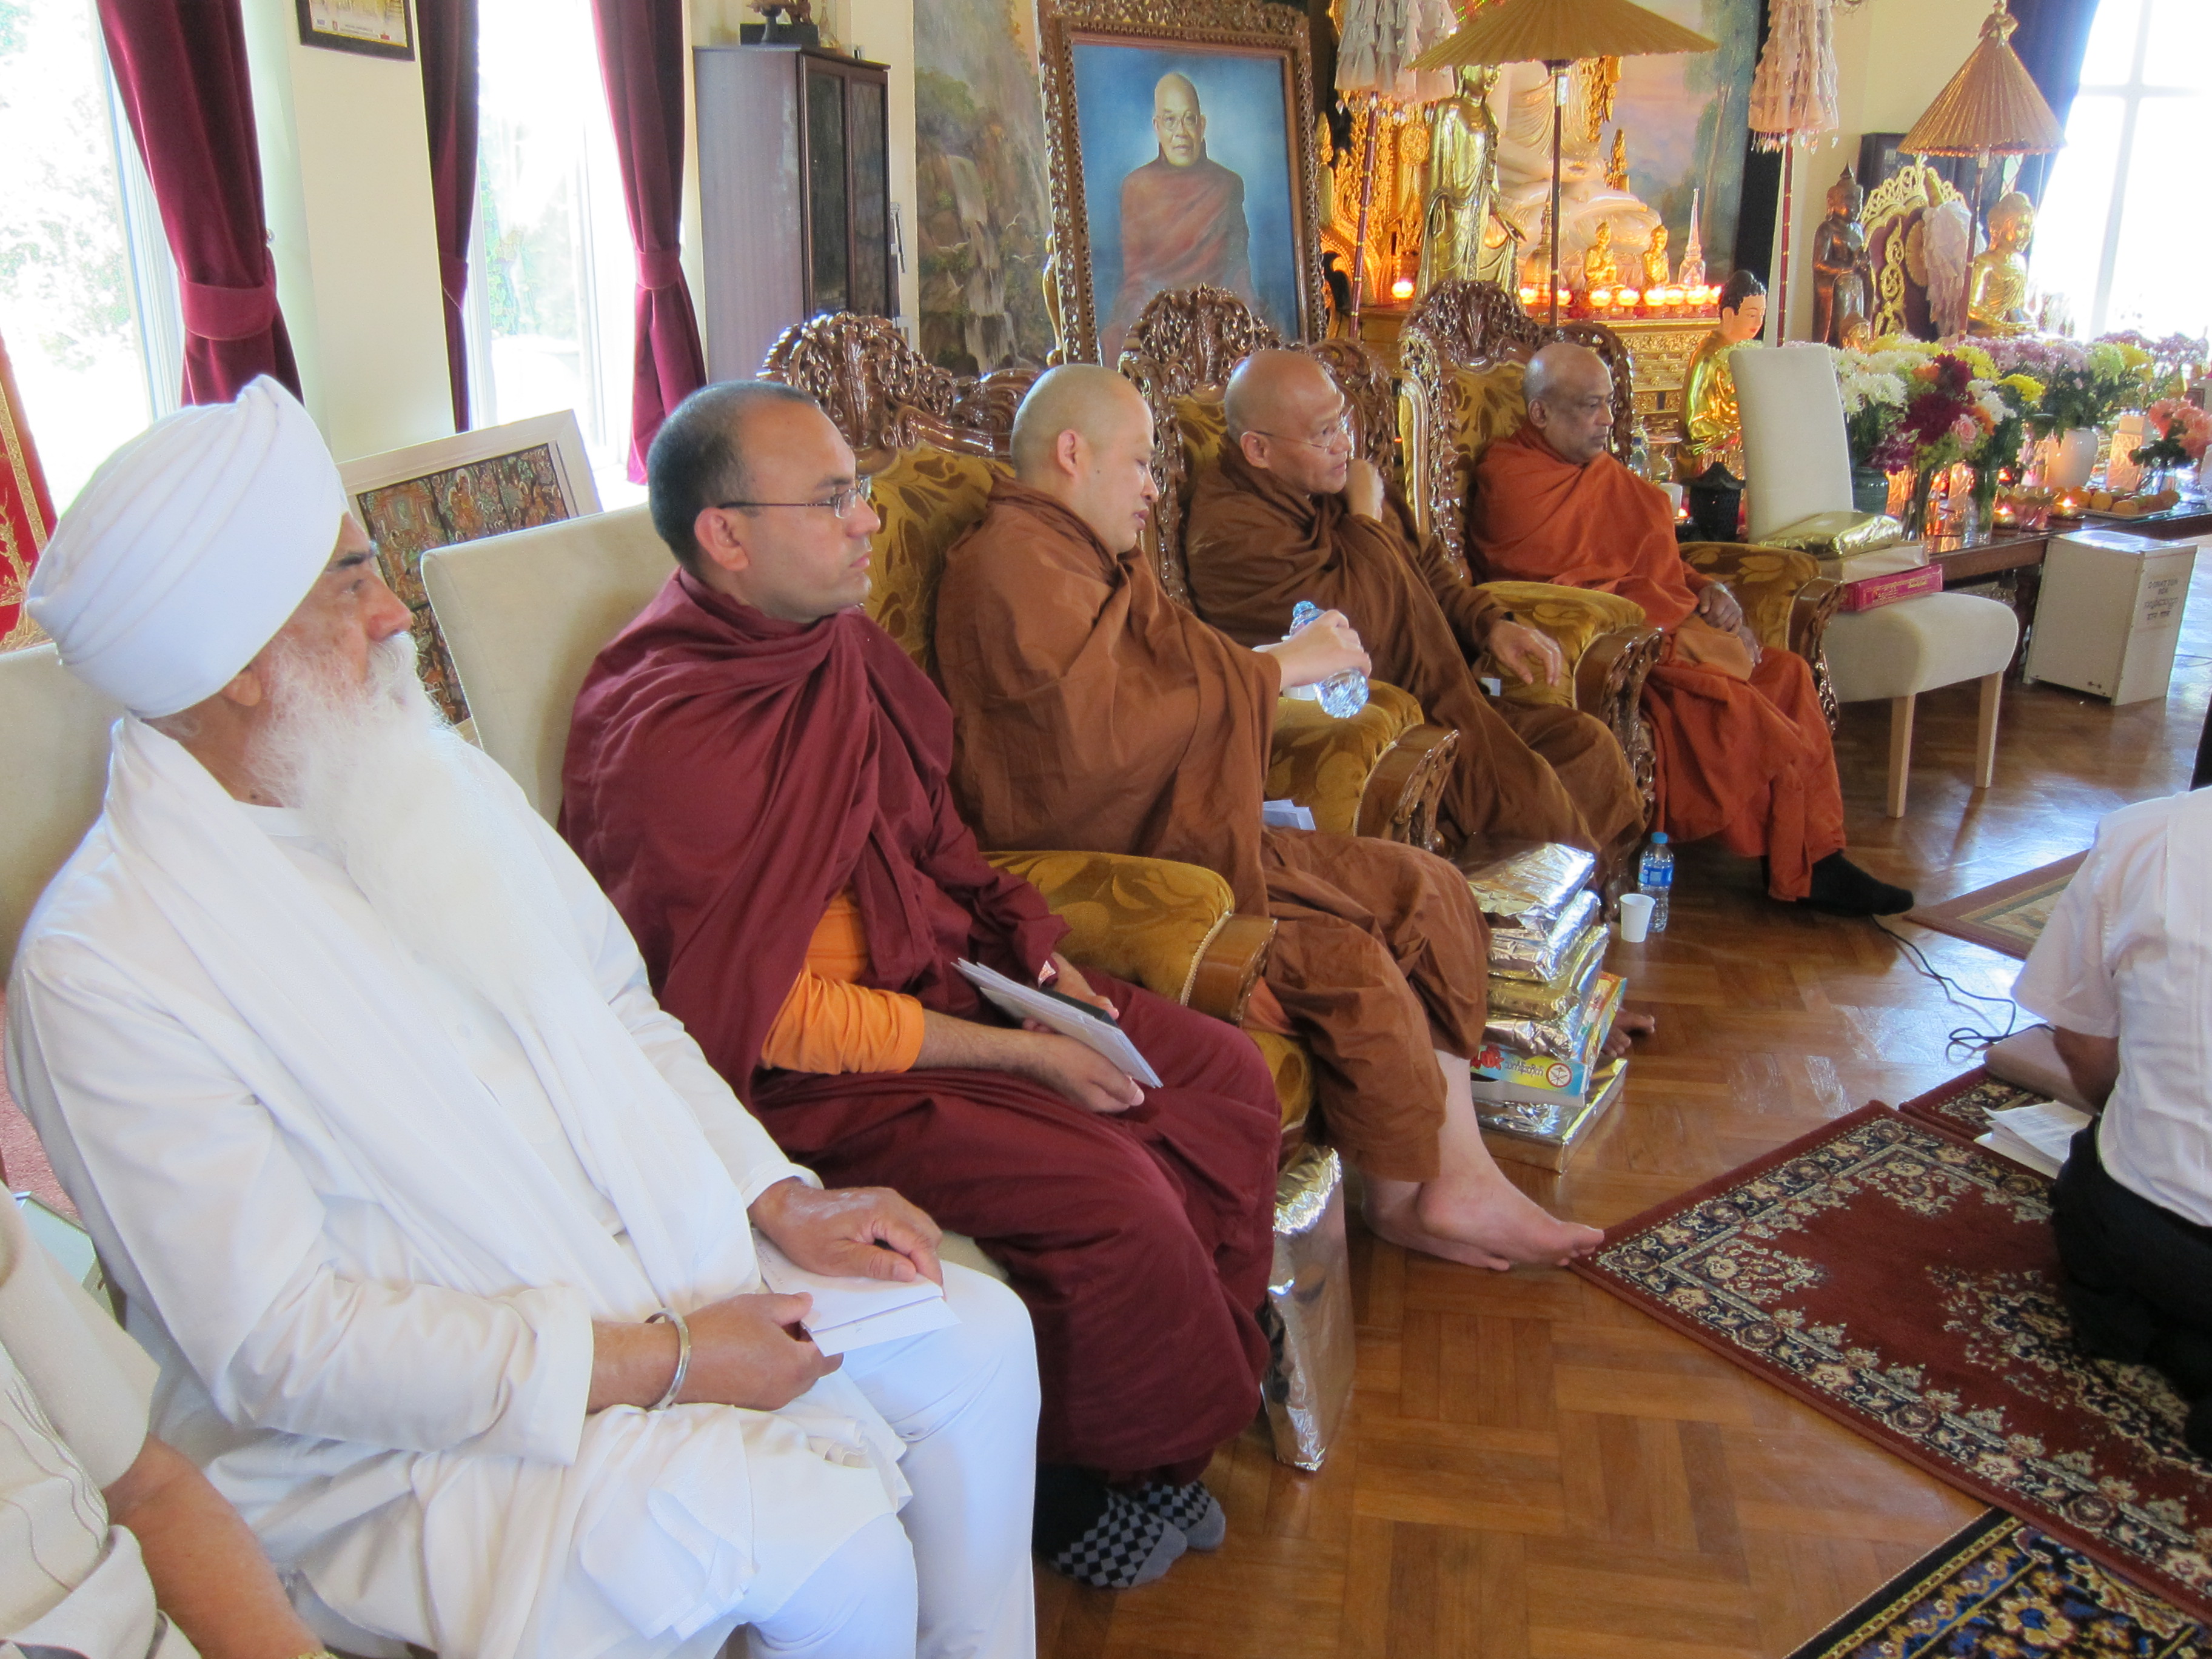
x=1308, y=1315
x=1538, y=951
x=1522, y=881
x=1563, y=1035
x=1548, y=999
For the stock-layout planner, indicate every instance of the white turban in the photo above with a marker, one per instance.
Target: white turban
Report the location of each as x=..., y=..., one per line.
x=189, y=549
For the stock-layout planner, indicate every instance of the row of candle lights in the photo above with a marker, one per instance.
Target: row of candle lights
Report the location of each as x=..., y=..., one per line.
x=1673, y=301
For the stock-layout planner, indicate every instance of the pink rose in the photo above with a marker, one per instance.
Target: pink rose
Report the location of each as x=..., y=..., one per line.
x=1966, y=430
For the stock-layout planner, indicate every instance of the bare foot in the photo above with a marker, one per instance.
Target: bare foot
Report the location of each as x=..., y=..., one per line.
x=1628, y=1026
x=1479, y=1217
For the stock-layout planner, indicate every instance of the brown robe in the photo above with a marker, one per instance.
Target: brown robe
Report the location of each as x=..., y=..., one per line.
x=1747, y=758
x=1256, y=545
x=1179, y=227
x=1093, y=712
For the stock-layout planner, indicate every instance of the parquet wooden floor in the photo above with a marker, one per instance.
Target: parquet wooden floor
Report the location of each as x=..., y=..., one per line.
x=1537, y=1471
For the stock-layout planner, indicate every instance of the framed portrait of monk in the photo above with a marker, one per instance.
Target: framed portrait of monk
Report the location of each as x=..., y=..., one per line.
x=1179, y=144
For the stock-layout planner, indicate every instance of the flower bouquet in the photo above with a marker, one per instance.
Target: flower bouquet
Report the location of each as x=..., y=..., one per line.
x=2182, y=432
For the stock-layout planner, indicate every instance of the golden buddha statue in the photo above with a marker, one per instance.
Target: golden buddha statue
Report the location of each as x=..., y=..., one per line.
x=1713, y=426
x=1462, y=181
x=1599, y=267
x=1654, y=260
x=1996, y=294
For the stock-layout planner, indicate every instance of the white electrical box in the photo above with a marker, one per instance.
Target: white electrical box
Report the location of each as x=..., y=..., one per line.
x=2109, y=614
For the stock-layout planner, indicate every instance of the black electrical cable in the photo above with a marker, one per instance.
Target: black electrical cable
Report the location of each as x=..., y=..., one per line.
x=1962, y=1036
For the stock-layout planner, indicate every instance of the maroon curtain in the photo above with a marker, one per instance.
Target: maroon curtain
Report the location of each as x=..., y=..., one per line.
x=446, y=34
x=2052, y=40
x=181, y=67
x=642, y=55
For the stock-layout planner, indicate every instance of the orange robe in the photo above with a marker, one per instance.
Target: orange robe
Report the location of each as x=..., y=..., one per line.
x=1179, y=227
x=1093, y=712
x=1256, y=545
x=829, y=1022
x=1747, y=759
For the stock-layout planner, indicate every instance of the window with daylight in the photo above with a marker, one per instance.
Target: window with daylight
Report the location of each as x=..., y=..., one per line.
x=2121, y=238
x=88, y=292
x=552, y=277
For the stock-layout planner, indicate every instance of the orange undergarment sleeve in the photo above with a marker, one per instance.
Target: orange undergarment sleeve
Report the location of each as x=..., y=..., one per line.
x=830, y=1023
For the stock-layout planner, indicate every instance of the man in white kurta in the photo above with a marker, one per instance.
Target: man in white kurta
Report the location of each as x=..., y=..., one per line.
x=2123, y=971
x=405, y=1173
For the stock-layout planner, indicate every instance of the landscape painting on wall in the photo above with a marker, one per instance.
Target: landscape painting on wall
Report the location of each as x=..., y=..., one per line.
x=1684, y=116
x=985, y=215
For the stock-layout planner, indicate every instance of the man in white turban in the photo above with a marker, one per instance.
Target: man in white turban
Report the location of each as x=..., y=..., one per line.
x=436, y=1223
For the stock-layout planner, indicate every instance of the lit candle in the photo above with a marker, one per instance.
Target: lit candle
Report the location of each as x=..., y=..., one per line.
x=1601, y=299
x=1627, y=299
x=1402, y=289
x=1528, y=296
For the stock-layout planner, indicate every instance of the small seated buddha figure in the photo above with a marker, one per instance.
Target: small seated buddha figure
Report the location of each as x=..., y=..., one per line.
x=1599, y=267
x=1712, y=428
x=1655, y=260
x=1996, y=303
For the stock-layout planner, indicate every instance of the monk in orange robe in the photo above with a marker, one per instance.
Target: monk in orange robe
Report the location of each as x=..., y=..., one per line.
x=1094, y=712
x=1290, y=514
x=1743, y=749
x=1182, y=217
x=756, y=774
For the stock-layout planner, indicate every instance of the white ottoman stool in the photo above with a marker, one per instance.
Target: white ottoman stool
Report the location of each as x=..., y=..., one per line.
x=1914, y=646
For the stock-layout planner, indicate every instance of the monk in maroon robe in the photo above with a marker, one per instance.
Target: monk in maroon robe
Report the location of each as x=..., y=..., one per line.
x=1741, y=741
x=756, y=773
x=1182, y=217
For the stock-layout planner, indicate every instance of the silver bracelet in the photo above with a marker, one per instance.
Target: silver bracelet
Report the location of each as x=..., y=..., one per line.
x=683, y=1357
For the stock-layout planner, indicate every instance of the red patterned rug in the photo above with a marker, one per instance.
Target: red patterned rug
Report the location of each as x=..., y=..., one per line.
x=1964, y=1104
x=1898, y=1278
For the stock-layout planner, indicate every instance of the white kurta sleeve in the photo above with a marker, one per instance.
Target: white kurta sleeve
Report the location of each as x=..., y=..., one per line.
x=2069, y=979
x=749, y=1151
x=201, y=1206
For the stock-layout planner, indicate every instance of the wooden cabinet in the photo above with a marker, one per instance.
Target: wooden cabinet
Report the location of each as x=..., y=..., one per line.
x=794, y=195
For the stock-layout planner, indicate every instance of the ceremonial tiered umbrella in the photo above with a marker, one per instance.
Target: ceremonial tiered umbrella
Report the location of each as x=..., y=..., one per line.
x=1990, y=107
x=1793, y=103
x=1375, y=59
x=1557, y=34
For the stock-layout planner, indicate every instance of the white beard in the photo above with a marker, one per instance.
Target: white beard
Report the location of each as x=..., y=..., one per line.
x=388, y=786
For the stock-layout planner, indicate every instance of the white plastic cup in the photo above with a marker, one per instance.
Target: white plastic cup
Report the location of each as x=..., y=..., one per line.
x=1635, y=917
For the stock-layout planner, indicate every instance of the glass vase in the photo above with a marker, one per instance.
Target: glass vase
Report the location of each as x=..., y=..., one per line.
x=1984, y=499
x=1870, y=489
x=1920, y=517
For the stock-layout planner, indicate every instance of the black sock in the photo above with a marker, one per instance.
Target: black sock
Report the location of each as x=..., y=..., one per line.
x=1070, y=1501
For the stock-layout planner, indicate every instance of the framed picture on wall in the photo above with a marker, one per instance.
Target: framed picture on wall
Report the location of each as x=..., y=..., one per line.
x=1180, y=151
x=380, y=27
x=463, y=488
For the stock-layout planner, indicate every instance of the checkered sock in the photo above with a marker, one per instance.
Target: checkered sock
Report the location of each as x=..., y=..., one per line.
x=1192, y=1510
x=1087, y=1531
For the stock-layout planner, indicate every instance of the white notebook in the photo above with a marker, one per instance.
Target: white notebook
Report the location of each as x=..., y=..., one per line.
x=855, y=1313
x=2038, y=1136
x=1064, y=1015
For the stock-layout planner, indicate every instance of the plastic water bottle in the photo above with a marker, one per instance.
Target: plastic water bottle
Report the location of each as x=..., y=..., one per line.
x=1342, y=695
x=1655, y=878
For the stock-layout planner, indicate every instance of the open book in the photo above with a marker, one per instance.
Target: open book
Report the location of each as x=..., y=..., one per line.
x=855, y=1313
x=2038, y=1136
x=1064, y=1015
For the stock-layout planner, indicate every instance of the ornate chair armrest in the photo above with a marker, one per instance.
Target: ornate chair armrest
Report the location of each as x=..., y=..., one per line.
x=1765, y=581
x=1167, y=926
x=1330, y=765
x=1577, y=618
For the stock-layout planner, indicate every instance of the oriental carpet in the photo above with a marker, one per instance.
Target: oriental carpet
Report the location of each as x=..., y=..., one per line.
x=2002, y=1588
x=1964, y=1104
x=1901, y=1279
x=2006, y=916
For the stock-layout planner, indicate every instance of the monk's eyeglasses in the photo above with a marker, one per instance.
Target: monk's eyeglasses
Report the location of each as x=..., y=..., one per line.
x=1337, y=437
x=839, y=504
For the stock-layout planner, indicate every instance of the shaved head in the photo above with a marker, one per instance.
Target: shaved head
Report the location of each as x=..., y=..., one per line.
x=1084, y=436
x=1287, y=415
x=1570, y=395
x=1178, y=121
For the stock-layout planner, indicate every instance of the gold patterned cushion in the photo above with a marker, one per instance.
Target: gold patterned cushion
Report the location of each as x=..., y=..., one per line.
x=1491, y=407
x=1292, y=1067
x=926, y=498
x=1574, y=618
x=1142, y=919
x=1765, y=580
x=1323, y=762
x=1202, y=427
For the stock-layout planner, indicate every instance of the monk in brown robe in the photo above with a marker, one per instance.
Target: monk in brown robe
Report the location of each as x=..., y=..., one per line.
x=1743, y=749
x=1182, y=216
x=1093, y=712
x=756, y=774
x=1290, y=514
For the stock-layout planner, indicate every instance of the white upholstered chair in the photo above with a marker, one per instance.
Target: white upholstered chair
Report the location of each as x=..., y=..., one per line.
x=1798, y=457
x=53, y=751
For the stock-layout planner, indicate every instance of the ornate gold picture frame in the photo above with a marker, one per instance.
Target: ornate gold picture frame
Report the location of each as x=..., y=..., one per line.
x=1180, y=150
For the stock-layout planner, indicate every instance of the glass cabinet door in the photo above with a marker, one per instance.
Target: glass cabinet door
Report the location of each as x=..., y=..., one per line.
x=828, y=217
x=871, y=268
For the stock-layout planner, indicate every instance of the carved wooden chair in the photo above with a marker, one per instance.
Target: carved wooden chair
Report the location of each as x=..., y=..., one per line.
x=1465, y=347
x=1171, y=928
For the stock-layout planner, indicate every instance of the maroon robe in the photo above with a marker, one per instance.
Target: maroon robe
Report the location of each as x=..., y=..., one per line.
x=727, y=774
x=1179, y=227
